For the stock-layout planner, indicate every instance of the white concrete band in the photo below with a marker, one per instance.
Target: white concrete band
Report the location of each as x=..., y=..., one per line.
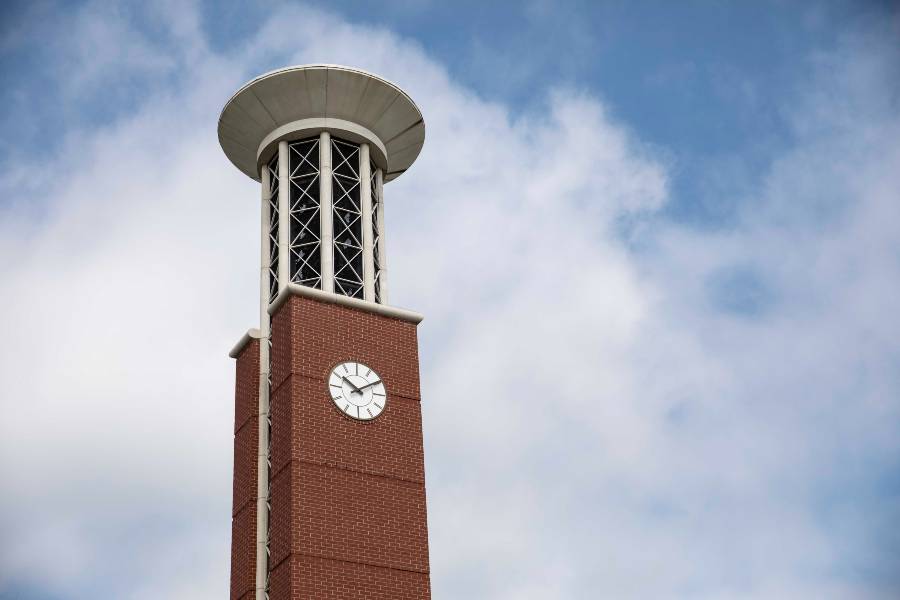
x=382, y=251
x=284, y=215
x=365, y=197
x=326, y=224
x=393, y=312
x=264, y=249
x=306, y=128
x=252, y=334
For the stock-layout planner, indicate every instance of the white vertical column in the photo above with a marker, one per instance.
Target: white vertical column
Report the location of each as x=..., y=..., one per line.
x=284, y=215
x=262, y=458
x=365, y=196
x=382, y=252
x=326, y=233
x=265, y=249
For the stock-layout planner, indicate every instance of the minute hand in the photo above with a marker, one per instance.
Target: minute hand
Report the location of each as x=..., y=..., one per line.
x=370, y=385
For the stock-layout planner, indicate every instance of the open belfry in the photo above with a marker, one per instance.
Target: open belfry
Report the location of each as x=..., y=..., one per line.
x=329, y=475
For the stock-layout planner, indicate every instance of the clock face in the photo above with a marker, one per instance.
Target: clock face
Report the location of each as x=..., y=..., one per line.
x=357, y=391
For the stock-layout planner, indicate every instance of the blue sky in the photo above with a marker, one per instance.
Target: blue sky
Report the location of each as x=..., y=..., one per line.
x=656, y=245
x=726, y=71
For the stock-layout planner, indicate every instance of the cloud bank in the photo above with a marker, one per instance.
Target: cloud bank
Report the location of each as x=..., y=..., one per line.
x=615, y=405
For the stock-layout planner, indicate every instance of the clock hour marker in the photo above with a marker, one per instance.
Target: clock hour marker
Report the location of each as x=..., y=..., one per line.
x=378, y=406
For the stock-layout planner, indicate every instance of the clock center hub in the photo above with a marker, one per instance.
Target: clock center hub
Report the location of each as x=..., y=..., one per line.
x=355, y=390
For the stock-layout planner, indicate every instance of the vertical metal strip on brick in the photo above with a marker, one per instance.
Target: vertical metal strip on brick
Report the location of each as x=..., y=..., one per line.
x=262, y=471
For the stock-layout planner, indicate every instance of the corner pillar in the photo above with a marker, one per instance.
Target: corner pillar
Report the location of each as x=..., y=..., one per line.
x=326, y=215
x=365, y=196
x=262, y=458
x=382, y=252
x=284, y=215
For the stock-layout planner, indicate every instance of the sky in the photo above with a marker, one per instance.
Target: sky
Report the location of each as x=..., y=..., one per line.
x=657, y=246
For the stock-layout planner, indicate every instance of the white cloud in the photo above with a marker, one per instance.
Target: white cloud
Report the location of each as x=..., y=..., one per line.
x=599, y=421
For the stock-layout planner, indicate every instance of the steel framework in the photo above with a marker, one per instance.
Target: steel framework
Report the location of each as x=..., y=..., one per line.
x=347, y=218
x=376, y=229
x=304, y=177
x=305, y=241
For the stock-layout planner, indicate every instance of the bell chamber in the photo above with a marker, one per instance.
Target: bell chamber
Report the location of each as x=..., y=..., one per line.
x=329, y=192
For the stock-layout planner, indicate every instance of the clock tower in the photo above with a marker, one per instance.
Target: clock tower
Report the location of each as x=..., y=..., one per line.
x=329, y=476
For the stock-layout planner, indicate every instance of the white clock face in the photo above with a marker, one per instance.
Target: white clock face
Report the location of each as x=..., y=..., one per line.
x=357, y=391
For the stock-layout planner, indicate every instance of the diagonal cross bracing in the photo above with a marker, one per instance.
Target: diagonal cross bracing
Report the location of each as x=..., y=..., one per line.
x=347, y=219
x=305, y=242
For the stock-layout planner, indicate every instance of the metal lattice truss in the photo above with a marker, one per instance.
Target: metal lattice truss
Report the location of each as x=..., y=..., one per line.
x=305, y=244
x=347, y=219
x=376, y=230
x=273, y=227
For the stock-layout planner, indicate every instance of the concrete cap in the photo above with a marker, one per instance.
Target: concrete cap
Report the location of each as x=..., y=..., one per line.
x=321, y=94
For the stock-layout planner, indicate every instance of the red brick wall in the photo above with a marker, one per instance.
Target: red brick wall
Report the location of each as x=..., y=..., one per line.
x=347, y=498
x=246, y=440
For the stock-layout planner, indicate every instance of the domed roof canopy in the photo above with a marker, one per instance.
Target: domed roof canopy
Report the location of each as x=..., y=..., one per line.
x=302, y=100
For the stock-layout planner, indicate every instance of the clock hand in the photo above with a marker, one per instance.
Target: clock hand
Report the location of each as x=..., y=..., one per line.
x=370, y=385
x=358, y=390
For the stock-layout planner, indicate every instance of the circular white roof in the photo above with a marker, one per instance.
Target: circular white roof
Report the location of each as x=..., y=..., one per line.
x=286, y=96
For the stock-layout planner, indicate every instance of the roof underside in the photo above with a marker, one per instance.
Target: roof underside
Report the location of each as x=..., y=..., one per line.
x=321, y=91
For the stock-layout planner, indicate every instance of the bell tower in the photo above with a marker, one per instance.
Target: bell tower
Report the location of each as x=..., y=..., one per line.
x=329, y=476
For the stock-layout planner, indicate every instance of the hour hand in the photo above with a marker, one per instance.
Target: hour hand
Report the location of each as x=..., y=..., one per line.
x=358, y=390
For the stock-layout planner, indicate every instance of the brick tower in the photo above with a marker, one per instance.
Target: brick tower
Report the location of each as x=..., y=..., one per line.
x=329, y=476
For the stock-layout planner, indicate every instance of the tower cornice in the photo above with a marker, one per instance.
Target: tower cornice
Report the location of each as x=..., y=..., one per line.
x=349, y=100
x=394, y=312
